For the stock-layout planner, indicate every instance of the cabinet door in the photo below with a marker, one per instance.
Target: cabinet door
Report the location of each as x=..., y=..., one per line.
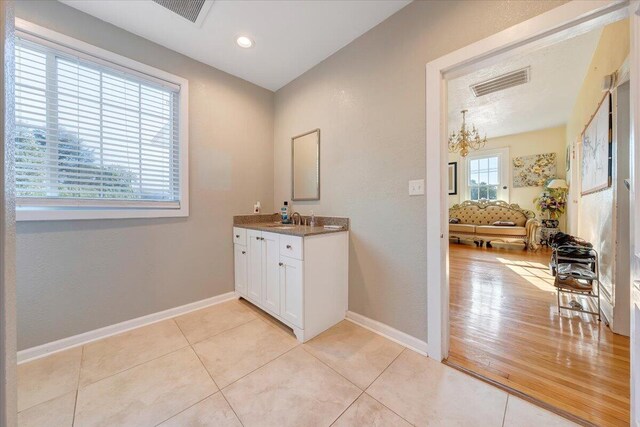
x=254, y=278
x=271, y=268
x=240, y=257
x=291, y=277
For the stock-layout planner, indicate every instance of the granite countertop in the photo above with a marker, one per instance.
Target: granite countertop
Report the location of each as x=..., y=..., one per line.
x=292, y=230
x=271, y=224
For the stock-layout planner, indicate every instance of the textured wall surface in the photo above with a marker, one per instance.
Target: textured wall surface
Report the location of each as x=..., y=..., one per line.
x=541, y=141
x=76, y=276
x=368, y=99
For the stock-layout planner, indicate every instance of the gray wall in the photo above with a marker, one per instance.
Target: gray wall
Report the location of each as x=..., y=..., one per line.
x=75, y=276
x=368, y=99
x=8, y=382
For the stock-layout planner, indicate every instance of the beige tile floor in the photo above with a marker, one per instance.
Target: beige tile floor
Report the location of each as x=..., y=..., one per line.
x=230, y=365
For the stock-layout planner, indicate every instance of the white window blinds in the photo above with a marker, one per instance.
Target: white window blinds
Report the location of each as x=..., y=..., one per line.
x=92, y=135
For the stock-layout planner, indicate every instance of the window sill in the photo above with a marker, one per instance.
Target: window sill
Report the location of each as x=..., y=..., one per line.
x=75, y=213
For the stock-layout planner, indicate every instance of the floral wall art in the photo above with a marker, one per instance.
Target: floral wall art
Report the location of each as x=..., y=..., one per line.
x=533, y=171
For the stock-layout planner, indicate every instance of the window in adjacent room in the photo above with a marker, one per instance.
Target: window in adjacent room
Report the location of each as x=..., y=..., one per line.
x=487, y=175
x=96, y=138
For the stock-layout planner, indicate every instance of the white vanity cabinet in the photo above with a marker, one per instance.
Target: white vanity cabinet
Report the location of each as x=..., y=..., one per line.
x=301, y=281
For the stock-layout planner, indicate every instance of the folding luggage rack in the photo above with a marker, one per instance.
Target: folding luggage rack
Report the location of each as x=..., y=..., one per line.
x=576, y=272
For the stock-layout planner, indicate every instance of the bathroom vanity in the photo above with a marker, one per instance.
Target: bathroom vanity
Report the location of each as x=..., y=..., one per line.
x=297, y=274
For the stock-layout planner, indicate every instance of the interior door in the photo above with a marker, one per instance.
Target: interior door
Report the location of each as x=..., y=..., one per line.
x=271, y=272
x=254, y=277
x=634, y=19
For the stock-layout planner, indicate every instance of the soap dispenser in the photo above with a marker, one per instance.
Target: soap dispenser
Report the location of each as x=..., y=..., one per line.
x=313, y=220
x=284, y=213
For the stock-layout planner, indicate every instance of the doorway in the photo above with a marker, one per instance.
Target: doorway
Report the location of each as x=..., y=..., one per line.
x=567, y=21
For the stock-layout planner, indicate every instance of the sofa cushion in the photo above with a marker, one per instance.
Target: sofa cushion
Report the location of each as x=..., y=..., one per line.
x=501, y=231
x=462, y=228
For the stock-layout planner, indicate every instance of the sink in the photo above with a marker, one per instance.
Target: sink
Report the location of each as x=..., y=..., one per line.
x=282, y=226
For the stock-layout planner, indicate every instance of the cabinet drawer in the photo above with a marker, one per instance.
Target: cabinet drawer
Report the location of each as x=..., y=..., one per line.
x=240, y=236
x=291, y=246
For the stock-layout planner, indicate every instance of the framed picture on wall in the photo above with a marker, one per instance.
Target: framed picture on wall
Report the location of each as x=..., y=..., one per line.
x=596, y=150
x=453, y=178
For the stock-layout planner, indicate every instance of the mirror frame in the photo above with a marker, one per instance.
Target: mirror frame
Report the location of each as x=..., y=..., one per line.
x=293, y=190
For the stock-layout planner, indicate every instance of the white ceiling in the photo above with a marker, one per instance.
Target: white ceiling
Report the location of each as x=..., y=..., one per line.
x=556, y=75
x=291, y=36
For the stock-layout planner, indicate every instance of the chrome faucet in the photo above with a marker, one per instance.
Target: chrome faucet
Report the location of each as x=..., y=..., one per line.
x=293, y=218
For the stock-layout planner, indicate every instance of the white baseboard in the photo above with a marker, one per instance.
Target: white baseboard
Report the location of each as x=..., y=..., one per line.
x=388, y=332
x=90, y=336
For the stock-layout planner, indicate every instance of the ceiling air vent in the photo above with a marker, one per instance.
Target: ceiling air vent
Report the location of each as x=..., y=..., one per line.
x=505, y=81
x=188, y=9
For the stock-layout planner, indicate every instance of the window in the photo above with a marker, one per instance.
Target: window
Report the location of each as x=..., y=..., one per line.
x=483, y=178
x=487, y=175
x=95, y=138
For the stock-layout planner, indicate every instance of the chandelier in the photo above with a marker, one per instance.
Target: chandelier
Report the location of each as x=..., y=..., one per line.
x=466, y=139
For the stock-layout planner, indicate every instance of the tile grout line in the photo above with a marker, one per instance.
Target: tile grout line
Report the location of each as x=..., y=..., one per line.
x=187, y=408
x=325, y=364
x=253, y=370
x=135, y=366
x=75, y=403
x=188, y=344
x=232, y=408
x=259, y=367
x=247, y=374
x=383, y=371
x=208, y=373
x=216, y=334
x=506, y=405
x=391, y=410
x=346, y=409
x=216, y=384
x=366, y=388
x=256, y=316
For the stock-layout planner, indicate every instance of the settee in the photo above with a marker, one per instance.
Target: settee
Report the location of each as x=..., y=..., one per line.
x=486, y=221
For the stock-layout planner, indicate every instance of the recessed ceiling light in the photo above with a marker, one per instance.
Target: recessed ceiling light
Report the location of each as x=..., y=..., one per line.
x=244, y=41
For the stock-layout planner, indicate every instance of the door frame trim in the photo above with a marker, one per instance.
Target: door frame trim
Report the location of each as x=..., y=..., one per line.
x=8, y=334
x=570, y=19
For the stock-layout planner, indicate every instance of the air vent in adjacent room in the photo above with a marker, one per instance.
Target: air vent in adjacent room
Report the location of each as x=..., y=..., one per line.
x=505, y=81
x=188, y=9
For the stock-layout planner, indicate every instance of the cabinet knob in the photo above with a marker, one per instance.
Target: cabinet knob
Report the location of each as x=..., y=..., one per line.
x=257, y=238
x=280, y=264
x=237, y=236
x=243, y=252
x=288, y=246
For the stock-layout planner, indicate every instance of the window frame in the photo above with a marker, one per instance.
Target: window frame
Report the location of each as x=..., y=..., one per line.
x=53, y=209
x=504, y=171
x=486, y=186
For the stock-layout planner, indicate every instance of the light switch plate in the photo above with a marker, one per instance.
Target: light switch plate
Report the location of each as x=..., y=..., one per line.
x=416, y=187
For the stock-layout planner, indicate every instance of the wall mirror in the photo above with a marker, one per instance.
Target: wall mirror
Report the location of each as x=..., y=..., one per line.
x=305, y=166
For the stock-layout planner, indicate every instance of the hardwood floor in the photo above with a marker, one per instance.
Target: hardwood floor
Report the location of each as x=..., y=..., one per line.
x=505, y=326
